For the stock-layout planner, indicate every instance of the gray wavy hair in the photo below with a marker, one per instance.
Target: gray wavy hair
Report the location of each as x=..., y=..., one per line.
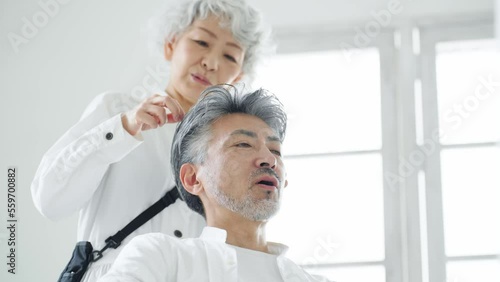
x=193, y=133
x=244, y=21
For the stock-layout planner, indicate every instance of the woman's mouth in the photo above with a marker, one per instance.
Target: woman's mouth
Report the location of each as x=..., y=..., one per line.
x=201, y=79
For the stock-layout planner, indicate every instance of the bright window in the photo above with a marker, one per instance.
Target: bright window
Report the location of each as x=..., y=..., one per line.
x=440, y=219
x=468, y=92
x=333, y=211
x=333, y=104
x=468, y=86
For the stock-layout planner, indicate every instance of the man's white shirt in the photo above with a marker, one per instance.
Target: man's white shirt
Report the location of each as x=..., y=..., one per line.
x=256, y=266
x=159, y=257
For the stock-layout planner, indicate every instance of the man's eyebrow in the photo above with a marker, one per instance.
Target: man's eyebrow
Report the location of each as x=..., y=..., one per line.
x=273, y=139
x=244, y=132
x=232, y=44
x=254, y=135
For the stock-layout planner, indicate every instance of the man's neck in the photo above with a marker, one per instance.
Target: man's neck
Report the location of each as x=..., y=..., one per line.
x=244, y=233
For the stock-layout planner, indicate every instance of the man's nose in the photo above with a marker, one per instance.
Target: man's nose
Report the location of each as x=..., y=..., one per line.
x=266, y=159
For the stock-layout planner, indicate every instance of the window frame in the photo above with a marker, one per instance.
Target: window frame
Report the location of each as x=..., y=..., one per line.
x=413, y=252
x=297, y=41
x=430, y=37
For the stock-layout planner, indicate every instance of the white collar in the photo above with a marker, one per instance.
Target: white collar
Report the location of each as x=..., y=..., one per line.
x=211, y=233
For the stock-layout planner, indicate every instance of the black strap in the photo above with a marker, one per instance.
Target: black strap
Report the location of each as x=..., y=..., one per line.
x=116, y=240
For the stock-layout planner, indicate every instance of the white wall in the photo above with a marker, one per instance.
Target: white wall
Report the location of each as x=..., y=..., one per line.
x=90, y=46
x=497, y=19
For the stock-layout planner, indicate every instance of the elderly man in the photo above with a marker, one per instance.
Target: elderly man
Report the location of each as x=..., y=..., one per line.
x=226, y=157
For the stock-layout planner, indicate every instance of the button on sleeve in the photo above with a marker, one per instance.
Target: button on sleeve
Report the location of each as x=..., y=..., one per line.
x=178, y=233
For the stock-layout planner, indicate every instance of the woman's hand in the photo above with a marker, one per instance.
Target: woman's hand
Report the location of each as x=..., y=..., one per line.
x=152, y=113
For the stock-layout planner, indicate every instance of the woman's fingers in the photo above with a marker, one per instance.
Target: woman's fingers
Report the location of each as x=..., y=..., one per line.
x=146, y=120
x=176, y=111
x=153, y=112
x=157, y=112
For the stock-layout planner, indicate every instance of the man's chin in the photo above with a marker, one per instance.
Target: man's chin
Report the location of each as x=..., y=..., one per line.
x=264, y=211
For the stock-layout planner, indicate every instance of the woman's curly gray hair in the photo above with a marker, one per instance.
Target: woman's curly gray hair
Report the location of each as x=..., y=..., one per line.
x=244, y=21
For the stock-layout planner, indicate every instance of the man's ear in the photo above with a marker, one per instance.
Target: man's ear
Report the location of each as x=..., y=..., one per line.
x=189, y=179
x=168, y=49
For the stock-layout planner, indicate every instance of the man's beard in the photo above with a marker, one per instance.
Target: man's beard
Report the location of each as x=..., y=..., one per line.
x=249, y=207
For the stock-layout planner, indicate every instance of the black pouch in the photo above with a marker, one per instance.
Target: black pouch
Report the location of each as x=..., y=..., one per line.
x=80, y=260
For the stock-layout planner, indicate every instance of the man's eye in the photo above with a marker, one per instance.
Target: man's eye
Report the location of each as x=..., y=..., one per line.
x=276, y=152
x=243, y=145
x=201, y=43
x=231, y=58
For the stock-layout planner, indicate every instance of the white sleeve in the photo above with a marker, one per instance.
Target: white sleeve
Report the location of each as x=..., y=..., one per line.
x=144, y=259
x=74, y=166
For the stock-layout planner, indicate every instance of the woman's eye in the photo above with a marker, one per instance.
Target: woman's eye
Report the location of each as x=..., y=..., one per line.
x=231, y=58
x=201, y=43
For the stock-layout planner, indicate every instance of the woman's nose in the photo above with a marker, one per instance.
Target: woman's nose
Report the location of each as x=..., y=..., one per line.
x=210, y=61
